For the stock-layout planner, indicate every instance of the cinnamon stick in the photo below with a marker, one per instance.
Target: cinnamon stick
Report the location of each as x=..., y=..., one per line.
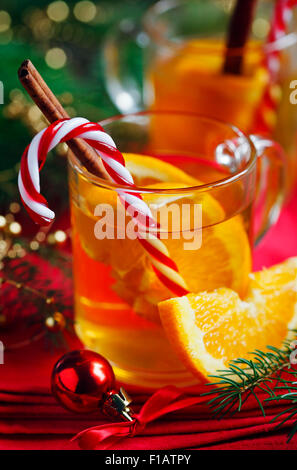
x=52, y=109
x=239, y=30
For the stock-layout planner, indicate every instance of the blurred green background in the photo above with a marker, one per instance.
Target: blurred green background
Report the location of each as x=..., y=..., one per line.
x=64, y=41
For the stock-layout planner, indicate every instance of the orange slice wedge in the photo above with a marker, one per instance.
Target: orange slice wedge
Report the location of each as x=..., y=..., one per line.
x=209, y=329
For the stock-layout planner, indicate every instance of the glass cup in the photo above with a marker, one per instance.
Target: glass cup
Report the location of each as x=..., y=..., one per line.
x=204, y=200
x=183, y=59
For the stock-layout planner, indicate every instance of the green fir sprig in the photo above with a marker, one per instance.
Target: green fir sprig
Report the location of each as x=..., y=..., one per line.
x=288, y=394
x=260, y=377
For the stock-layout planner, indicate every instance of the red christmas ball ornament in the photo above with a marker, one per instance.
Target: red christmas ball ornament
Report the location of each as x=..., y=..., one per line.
x=84, y=382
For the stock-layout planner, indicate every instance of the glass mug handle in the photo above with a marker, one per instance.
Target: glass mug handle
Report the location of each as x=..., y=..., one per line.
x=123, y=57
x=271, y=184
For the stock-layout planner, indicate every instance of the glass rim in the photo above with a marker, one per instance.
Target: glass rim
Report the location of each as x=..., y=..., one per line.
x=163, y=6
x=101, y=182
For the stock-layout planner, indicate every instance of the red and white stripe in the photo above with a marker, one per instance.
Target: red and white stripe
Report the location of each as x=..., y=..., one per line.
x=282, y=16
x=29, y=186
x=283, y=13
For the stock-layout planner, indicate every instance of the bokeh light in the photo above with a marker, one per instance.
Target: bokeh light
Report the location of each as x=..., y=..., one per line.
x=260, y=28
x=34, y=113
x=51, y=239
x=2, y=221
x=15, y=228
x=5, y=21
x=34, y=245
x=40, y=236
x=14, y=207
x=56, y=58
x=85, y=11
x=58, y=11
x=60, y=236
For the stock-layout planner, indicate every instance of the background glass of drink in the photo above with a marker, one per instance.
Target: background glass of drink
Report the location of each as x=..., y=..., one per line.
x=183, y=62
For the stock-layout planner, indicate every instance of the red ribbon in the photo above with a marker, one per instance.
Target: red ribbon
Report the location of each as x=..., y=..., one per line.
x=165, y=400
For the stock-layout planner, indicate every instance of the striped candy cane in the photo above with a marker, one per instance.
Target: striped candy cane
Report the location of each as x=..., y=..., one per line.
x=29, y=186
x=282, y=16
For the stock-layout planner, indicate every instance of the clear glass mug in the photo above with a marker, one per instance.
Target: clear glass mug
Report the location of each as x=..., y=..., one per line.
x=183, y=50
x=116, y=290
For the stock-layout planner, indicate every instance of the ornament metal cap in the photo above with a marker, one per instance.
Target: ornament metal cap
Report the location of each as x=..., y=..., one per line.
x=117, y=404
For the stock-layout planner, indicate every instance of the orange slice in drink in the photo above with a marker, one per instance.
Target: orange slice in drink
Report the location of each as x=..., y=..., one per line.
x=224, y=257
x=209, y=329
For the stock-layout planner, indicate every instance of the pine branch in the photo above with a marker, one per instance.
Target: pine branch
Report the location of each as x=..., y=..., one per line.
x=246, y=377
x=263, y=373
x=288, y=393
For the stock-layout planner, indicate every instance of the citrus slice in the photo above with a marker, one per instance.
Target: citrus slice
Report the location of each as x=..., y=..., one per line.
x=209, y=329
x=148, y=170
x=224, y=257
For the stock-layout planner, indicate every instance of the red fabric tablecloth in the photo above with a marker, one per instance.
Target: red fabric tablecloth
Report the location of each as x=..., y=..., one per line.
x=31, y=419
